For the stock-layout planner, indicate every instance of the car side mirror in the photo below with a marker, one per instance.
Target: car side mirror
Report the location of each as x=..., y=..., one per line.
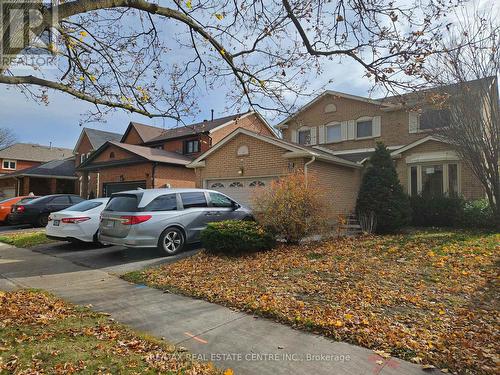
x=235, y=206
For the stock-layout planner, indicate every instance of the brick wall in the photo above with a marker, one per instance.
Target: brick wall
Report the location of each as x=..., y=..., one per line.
x=136, y=172
x=471, y=187
x=176, y=177
x=133, y=138
x=20, y=164
x=83, y=148
x=339, y=184
x=177, y=145
x=118, y=152
x=393, y=129
x=251, y=122
x=263, y=159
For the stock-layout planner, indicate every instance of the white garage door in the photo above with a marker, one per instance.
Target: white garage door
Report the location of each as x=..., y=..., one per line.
x=241, y=190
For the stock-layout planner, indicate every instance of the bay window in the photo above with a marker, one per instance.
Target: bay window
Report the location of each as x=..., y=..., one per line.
x=434, y=179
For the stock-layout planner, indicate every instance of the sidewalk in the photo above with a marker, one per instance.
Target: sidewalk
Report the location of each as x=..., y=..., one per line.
x=229, y=338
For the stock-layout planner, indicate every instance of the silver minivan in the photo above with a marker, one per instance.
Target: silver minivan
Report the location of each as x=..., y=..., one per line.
x=165, y=218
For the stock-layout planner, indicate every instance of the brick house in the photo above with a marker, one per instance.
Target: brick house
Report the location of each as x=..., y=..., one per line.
x=324, y=135
x=151, y=157
x=26, y=157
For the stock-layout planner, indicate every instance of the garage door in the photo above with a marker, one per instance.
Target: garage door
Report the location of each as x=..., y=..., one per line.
x=241, y=190
x=115, y=187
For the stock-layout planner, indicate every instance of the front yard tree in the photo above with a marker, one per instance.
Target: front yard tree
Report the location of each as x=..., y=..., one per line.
x=473, y=54
x=382, y=194
x=159, y=59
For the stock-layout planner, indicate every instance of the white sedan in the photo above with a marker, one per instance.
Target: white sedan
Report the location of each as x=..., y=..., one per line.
x=79, y=222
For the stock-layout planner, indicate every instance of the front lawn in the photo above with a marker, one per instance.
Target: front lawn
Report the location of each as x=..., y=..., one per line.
x=25, y=239
x=429, y=297
x=40, y=334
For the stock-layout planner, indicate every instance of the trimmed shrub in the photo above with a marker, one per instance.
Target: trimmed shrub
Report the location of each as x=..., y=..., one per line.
x=478, y=214
x=292, y=207
x=437, y=211
x=382, y=194
x=232, y=237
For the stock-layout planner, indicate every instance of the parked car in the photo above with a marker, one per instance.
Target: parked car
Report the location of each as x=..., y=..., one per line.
x=164, y=218
x=77, y=223
x=6, y=206
x=37, y=211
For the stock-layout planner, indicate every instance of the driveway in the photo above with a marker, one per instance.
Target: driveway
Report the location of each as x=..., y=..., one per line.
x=113, y=259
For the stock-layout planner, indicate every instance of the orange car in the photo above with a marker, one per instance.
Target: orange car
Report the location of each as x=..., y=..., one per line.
x=6, y=204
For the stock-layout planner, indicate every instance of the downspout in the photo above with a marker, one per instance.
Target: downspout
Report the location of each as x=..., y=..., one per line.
x=313, y=159
x=153, y=173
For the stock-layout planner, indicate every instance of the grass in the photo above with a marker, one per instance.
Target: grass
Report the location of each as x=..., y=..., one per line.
x=42, y=334
x=428, y=296
x=26, y=239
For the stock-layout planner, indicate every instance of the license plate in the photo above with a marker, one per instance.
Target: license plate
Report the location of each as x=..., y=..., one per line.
x=109, y=223
x=56, y=223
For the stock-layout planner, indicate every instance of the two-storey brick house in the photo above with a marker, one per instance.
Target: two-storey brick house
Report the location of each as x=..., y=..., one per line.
x=152, y=157
x=333, y=136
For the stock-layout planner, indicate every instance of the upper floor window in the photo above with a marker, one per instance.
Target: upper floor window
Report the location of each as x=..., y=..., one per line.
x=305, y=137
x=190, y=147
x=364, y=128
x=333, y=133
x=9, y=164
x=111, y=155
x=434, y=119
x=242, y=150
x=82, y=158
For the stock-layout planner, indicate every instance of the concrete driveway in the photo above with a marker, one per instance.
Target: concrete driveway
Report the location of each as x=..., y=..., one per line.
x=112, y=259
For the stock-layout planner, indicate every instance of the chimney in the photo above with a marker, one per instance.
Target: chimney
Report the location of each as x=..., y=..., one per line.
x=212, y=114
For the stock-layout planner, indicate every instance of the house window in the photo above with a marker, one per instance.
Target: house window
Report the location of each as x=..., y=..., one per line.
x=364, y=128
x=217, y=185
x=333, y=133
x=434, y=179
x=257, y=184
x=111, y=155
x=305, y=137
x=9, y=164
x=236, y=184
x=242, y=150
x=434, y=119
x=82, y=158
x=190, y=147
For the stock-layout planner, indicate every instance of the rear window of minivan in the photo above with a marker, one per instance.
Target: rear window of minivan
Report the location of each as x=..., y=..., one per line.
x=123, y=203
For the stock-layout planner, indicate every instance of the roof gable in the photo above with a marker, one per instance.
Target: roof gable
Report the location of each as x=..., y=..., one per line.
x=293, y=148
x=417, y=143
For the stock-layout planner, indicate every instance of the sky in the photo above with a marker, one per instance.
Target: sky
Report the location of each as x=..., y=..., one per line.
x=59, y=121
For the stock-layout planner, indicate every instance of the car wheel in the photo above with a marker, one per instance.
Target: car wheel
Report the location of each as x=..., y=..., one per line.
x=171, y=241
x=248, y=218
x=42, y=220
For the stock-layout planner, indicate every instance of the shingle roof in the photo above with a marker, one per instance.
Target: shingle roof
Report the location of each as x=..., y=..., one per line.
x=154, y=154
x=99, y=137
x=181, y=131
x=55, y=168
x=34, y=152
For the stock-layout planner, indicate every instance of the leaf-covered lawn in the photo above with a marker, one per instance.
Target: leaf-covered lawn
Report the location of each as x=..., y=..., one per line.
x=40, y=334
x=25, y=239
x=429, y=297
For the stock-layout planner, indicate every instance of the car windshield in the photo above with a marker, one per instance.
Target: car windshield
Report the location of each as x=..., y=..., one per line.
x=84, y=206
x=123, y=203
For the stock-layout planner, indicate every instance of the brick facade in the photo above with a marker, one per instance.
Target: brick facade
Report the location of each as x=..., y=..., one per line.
x=133, y=138
x=251, y=122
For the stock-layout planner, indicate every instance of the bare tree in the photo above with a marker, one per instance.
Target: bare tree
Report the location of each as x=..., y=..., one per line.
x=470, y=68
x=160, y=60
x=7, y=138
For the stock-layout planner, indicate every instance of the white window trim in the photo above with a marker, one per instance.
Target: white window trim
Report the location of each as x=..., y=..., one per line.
x=446, y=181
x=304, y=129
x=8, y=161
x=335, y=123
x=362, y=119
x=82, y=158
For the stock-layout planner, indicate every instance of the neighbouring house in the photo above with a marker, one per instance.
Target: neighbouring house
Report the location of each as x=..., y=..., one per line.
x=152, y=157
x=334, y=135
x=23, y=157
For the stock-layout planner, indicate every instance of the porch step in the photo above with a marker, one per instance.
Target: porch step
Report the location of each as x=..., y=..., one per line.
x=351, y=226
